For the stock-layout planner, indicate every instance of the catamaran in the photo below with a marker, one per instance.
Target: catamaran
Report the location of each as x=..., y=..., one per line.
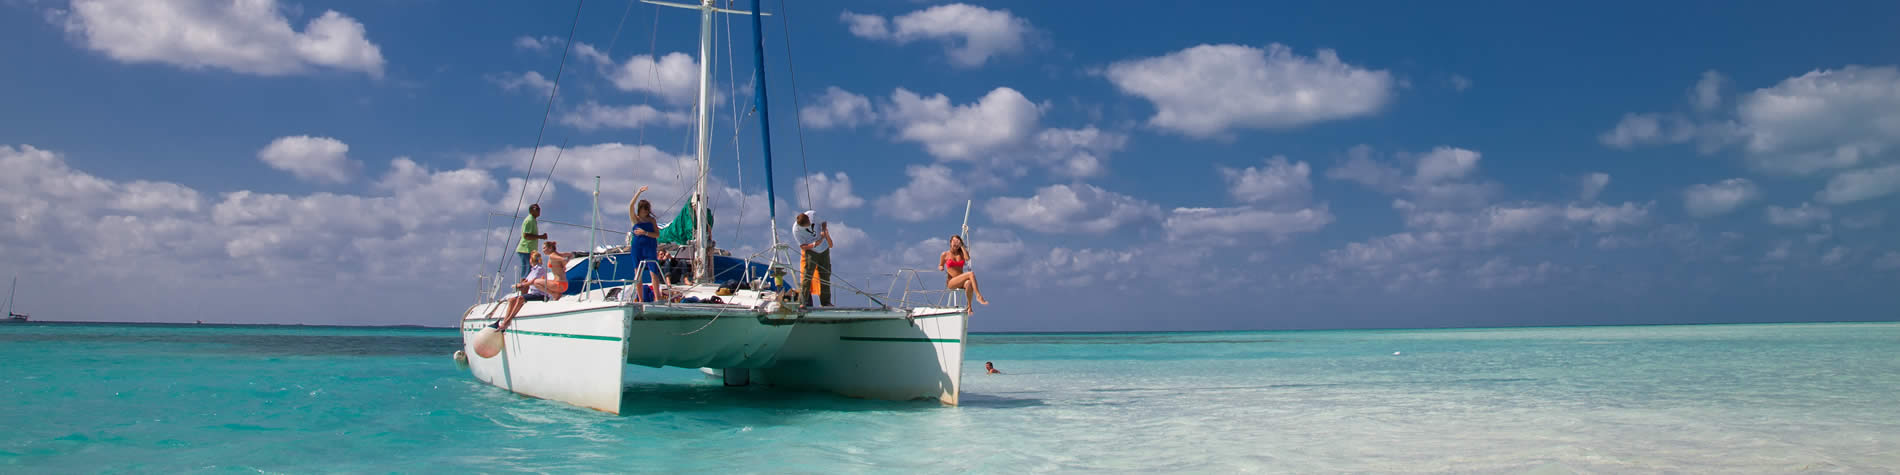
x=11, y=316
x=737, y=320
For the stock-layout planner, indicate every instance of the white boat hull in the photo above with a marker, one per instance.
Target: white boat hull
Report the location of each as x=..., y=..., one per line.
x=882, y=358
x=574, y=351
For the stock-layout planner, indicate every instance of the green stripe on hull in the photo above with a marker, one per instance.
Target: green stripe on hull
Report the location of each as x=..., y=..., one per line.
x=900, y=340
x=556, y=335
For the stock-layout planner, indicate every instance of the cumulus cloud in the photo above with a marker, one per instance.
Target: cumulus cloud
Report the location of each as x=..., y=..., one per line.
x=1859, y=185
x=315, y=159
x=673, y=77
x=1076, y=153
x=1439, y=178
x=1648, y=129
x=530, y=81
x=1001, y=119
x=1189, y=224
x=970, y=35
x=1888, y=261
x=1823, y=120
x=837, y=108
x=1077, y=208
x=932, y=190
x=592, y=115
x=1593, y=184
x=1805, y=216
x=1719, y=198
x=1207, y=90
x=1279, y=180
x=537, y=43
x=828, y=192
x=1499, y=273
x=1707, y=94
x=249, y=37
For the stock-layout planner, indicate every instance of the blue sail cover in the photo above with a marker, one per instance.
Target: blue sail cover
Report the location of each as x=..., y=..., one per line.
x=758, y=100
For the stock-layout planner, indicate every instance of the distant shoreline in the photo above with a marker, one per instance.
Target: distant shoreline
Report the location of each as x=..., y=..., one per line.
x=1053, y=332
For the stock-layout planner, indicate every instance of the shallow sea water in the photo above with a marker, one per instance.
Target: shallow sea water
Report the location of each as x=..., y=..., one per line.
x=1712, y=398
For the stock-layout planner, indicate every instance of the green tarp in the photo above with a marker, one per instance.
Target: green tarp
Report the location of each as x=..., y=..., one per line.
x=681, y=229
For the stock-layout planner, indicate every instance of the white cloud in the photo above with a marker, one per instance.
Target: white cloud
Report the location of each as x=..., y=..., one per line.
x=1779, y=253
x=1225, y=223
x=673, y=77
x=971, y=35
x=1804, y=216
x=1648, y=129
x=1593, y=185
x=1459, y=82
x=829, y=192
x=1719, y=198
x=837, y=108
x=1278, y=181
x=1077, y=153
x=1003, y=118
x=1078, y=208
x=317, y=159
x=250, y=37
x=541, y=43
x=1822, y=120
x=1707, y=94
x=1888, y=261
x=1438, y=179
x=530, y=81
x=932, y=191
x=1834, y=256
x=1499, y=273
x=592, y=115
x=1207, y=90
x=1859, y=185
x=1868, y=220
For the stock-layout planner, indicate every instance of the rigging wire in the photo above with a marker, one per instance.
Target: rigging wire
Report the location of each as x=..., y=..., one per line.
x=544, y=182
x=528, y=177
x=785, y=19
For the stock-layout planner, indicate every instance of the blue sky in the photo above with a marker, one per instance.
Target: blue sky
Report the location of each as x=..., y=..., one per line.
x=1226, y=166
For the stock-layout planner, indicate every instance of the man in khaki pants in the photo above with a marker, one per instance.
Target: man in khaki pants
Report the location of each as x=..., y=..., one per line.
x=815, y=261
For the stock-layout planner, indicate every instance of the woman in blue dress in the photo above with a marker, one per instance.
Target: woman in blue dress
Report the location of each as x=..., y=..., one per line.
x=644, y=240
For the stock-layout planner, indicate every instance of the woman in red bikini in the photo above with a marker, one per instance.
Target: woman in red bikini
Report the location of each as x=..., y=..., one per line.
x=952, y=263
x=555, y=284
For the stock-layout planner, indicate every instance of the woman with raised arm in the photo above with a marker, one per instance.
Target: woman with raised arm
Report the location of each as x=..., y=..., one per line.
x=952, y=263
x=644, y=242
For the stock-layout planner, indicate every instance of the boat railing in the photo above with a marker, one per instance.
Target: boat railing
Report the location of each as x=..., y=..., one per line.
x=916, y=292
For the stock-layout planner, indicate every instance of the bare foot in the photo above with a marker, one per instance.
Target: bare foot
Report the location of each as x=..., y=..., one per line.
x=968, y=310
x=982, y=300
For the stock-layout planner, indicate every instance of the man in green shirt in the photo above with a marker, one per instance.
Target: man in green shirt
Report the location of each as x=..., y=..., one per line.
x=531, y=237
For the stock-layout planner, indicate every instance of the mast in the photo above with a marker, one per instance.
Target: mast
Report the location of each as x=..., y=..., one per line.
x=703, y=251
x=10, y=291
x=765, y=122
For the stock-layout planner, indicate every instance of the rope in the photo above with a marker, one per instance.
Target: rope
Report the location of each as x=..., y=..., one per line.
x=542, y=131
x=785, y=18
x=544, y=183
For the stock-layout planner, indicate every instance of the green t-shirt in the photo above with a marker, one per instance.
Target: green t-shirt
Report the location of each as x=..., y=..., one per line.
x=529, y=226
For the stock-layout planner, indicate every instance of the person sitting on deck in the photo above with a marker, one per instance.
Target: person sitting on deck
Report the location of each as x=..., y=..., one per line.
x=555, y=283
x=952, y=263
x=525, y=291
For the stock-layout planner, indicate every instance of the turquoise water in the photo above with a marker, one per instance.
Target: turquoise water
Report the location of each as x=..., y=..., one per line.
x=1728, y=398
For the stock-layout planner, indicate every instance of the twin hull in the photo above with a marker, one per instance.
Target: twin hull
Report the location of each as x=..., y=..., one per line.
x=575, y=352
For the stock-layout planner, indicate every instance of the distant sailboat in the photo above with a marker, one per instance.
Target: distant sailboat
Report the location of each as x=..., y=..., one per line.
x=14, y=317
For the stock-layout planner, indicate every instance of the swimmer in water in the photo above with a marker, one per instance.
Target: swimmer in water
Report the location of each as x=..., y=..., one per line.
x=991, y=368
